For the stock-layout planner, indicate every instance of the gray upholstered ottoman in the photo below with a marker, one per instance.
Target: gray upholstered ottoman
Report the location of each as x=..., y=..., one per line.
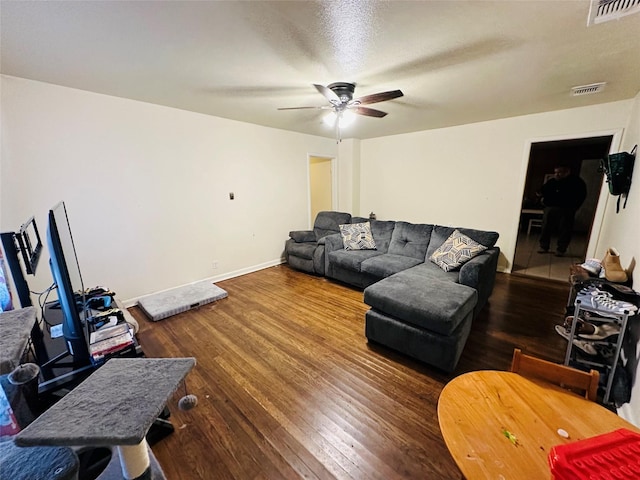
x=427, y=319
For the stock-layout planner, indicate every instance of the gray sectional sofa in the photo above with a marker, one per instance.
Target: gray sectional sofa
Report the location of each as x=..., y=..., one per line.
x=304, y=250
x=417, y=308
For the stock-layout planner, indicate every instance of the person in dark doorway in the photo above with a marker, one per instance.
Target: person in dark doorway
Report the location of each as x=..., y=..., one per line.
x=561, y=195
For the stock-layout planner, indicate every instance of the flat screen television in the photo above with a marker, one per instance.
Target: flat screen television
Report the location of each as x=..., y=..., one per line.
x=68, y=279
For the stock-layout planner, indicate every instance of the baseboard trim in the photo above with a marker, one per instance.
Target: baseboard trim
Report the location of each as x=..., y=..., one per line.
x=132, y=302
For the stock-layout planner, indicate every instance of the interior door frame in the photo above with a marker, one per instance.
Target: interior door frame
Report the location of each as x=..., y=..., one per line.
x=334, y=183
x=603, y=197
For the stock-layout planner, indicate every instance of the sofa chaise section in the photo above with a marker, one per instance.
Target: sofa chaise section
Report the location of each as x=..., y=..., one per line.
x=429, y=321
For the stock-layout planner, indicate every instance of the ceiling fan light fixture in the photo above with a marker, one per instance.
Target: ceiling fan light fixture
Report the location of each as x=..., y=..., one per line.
x=344, y=118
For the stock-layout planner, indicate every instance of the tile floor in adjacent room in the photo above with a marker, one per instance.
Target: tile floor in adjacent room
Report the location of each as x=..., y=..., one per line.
x=528, y=261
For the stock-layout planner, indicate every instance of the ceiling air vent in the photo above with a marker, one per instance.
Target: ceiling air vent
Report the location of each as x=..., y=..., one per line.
x=587, y=89
x=605, y=10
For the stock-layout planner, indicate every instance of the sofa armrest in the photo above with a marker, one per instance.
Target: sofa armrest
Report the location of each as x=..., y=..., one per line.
x=331, y=244
x=480, y=273
x=302, y=236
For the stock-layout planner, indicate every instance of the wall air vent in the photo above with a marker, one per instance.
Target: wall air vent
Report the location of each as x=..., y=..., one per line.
x=587, y=89
x=605, y=10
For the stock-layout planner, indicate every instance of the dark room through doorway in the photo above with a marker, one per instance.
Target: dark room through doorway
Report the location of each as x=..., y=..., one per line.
x=583, y=157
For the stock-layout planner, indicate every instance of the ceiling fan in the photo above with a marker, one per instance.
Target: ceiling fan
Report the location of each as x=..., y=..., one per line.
x=343, y=105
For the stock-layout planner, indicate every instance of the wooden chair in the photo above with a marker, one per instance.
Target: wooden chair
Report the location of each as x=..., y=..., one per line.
x=566, y=377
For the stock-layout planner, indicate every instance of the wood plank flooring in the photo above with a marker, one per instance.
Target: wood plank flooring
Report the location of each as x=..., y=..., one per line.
x=289, y=388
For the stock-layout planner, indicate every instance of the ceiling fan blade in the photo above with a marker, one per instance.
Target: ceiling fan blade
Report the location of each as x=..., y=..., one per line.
x=328, y=94
x=369, y=112
x=324, y=107
x=379, y=97
x=294, y=108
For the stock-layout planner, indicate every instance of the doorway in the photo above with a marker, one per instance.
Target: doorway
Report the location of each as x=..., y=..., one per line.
x=321, y=185
x=582, y=156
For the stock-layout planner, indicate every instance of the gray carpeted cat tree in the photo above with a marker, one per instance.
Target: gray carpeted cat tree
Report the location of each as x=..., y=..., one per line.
x=114, y=407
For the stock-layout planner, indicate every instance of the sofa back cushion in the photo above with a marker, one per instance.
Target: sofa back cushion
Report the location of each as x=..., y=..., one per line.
x=410, y=240
x=327, y=223
x=382, y=231
x=440, y=234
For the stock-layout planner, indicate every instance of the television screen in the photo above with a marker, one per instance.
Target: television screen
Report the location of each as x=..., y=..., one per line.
x=70, y=289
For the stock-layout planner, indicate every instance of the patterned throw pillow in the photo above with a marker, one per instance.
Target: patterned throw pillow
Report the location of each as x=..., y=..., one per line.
x=357, y=236
x=455, y=251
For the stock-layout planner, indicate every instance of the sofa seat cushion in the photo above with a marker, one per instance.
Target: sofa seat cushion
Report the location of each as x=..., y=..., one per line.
x=302, y=250
x=431, y=304
x=430, y=271
x=386, y=265
x=410, y=239
x=352, y=259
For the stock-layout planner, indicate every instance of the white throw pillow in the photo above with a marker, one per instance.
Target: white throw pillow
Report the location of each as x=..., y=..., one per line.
x=455, y=251
x=357, y=236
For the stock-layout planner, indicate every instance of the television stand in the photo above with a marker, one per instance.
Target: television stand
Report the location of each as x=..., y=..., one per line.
x=59, y=369
x=57, y=382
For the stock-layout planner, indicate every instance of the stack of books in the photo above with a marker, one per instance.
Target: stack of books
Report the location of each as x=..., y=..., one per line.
x=110, y=339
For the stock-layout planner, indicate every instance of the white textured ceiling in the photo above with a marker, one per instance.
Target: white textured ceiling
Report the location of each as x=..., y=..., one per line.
x=457, y=62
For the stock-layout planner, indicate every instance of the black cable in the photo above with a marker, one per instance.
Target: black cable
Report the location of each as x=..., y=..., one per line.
x=42, y=303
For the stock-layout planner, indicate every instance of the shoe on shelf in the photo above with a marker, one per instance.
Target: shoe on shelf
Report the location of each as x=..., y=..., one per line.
x=582, y=345
x=602, y=332
x=605, y=306
x=592, y=317
x=589, y=331
x=593, y=266
x=613, y=271
x=582, y=327
x=597, y=291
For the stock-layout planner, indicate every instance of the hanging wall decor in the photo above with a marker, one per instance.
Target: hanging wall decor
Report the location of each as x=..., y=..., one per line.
x=618, y=168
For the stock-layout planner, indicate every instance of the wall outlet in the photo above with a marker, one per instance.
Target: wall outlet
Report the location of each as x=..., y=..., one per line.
x=215, y=265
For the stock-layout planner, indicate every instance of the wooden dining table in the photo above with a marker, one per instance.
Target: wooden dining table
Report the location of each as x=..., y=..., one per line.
x=501, y=425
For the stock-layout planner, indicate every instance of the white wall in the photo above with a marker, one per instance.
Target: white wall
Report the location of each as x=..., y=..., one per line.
x=147, y=187
x=470, y=175
x=622, y=231
x=348, y=175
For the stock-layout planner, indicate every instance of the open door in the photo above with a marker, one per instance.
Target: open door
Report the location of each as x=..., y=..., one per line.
x=583, y=156
x=321, y=185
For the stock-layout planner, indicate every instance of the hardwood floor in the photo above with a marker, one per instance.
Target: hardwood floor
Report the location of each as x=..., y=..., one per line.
x=288, y=386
